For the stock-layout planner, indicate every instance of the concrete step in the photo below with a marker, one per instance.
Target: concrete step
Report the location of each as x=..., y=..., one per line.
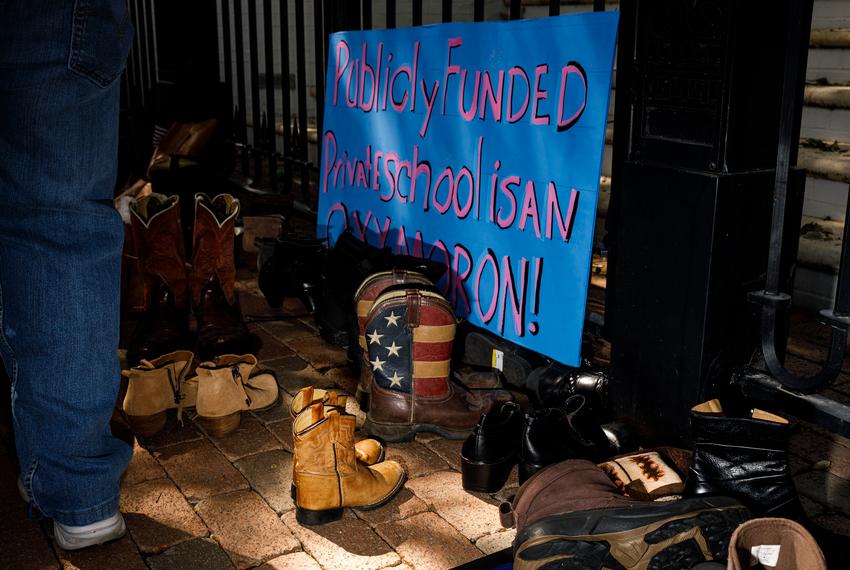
x=817, y=262
x=829, y=163
x=829, y=55
x=833, y=38
x=825, y=124
x=831, y=14
x=825, y=199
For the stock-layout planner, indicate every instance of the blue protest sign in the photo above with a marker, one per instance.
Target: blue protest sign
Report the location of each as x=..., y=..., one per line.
x=480, y=146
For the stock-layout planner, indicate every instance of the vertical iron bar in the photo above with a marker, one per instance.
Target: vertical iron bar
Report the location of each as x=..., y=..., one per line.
x=151, y=29
x=143, y=52
x=319, y=40
x=391, y=22
x=228, y=48
x=598, y=5
x=447, y=11
x=367, y=14
x=242, y=135
x=300, y=44
x=271, y=116
x=516, y=10
x=286, y=103
x=841, y=308
x=255, y=91
x=478, y=11
x=555, y=7
x=330, y=26
x=417, y=12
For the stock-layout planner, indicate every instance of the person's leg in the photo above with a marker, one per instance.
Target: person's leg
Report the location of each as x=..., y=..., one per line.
x=60, y=248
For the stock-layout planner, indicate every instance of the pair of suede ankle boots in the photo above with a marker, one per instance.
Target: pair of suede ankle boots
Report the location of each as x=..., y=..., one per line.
x=331, y=470
x=219, y=390
x=170, y=291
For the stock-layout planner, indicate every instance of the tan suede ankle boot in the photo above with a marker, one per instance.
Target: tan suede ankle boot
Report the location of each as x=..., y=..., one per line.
x=228, y=385
x=368, y=451
x=328, y=476
x=155, y=386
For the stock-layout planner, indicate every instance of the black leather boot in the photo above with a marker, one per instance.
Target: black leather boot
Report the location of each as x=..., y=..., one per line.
x=492, y=449
x=743, y=455
x=552, y=435
x=556, y=382
x=293, y=270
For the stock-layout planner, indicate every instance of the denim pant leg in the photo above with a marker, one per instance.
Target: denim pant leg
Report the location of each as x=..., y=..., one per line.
x=60, y=248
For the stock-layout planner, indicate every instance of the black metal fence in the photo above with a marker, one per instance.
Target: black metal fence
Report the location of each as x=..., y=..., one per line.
x=270, y=57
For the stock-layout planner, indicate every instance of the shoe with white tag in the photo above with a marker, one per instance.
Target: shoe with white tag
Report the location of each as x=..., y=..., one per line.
x=775, y=544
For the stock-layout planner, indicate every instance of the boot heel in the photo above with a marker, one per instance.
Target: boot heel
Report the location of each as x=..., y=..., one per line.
x=390, y=432
x=220, y=427
x=526, y=470
x=146, y=426
x=363, y=399
x=485, y=477
x=310, y=517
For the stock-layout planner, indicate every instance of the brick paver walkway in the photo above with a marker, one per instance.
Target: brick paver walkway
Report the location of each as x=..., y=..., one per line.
x=193, y=501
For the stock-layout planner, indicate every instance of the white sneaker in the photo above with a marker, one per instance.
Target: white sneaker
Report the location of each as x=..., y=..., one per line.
x=76, y=537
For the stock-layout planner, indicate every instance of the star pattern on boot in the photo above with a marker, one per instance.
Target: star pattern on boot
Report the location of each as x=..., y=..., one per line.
x=375, y=338
x=393, y=349
x=395, y=379
x=378, y=364
x=392, y=319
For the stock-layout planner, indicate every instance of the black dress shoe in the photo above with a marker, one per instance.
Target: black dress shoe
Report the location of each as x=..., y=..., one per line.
x=492, y=449
x=553, y=435
x=292, y=270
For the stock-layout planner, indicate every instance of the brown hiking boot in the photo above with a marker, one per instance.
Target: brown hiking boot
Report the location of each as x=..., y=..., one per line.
x=571, y=515
x=328, y=476
x=164, y=325
x=409, y=338
x=155, y=386
x=778, y=544
x=221, y=329
x=227, y=386
x=364, y=298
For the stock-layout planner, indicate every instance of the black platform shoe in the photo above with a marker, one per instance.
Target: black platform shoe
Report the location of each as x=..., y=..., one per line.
x=492, y=449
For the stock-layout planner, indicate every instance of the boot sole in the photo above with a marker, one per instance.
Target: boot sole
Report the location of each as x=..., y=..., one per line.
x=310, y=517
x=395, y=433
x=652, y=536
x=147, y=426
x=485, y=477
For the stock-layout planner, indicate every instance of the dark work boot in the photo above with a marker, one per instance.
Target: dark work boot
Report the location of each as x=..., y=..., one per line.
x=745, y=457
x=492, y=449
x=552, y=435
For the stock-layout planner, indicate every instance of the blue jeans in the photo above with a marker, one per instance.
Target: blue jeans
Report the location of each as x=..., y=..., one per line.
x=60, y=247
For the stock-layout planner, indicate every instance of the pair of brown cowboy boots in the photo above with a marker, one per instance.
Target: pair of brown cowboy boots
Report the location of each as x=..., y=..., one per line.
x=407, y=331
x=330, y=470
x=219, y=390
x=171, y=291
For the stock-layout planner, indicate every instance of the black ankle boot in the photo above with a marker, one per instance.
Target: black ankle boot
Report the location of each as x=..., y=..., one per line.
x=293, y=270
x=743, y=455
x=553, y=384
x=553, y=435
x=492, y=449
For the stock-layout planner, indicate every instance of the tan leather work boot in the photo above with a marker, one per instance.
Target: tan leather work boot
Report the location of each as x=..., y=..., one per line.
x=155, y=386
x=228, y=385
x=328, y=476
x=368, y=451
x=774, y=543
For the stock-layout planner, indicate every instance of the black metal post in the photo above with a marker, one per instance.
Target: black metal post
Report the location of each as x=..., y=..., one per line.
x=367, y=14
x=242, y=130
x=516, y=9
x=255, y=91
x=320, y=70
x=478, y=11
x=302, y=99
x=555, y=7
x=286, y=103
x=271, y=116
x=417, y=12
x=447, y=11
x=391, y=16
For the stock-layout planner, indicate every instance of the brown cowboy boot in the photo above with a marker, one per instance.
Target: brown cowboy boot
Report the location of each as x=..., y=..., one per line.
x=368, y=451
x=156, y=386
x=164, y=326
x=221, y=329
x=409, y=337
x=228, y=385
x=328, y=476
x=365, y=296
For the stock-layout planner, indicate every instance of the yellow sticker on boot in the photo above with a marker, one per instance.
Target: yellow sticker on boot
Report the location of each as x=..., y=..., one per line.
x=497, y=360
